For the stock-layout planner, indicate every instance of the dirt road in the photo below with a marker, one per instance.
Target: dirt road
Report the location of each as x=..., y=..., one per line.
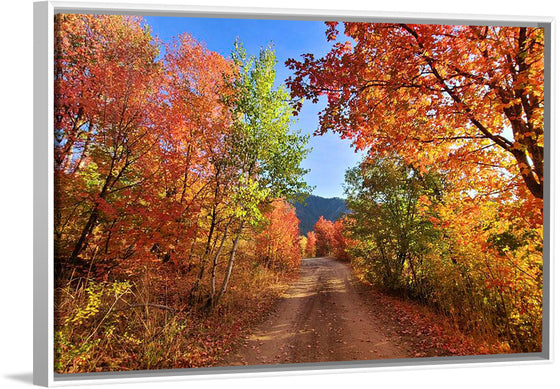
x=322, y=317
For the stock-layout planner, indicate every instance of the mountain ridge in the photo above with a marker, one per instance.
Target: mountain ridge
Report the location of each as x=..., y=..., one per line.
x=313, y=207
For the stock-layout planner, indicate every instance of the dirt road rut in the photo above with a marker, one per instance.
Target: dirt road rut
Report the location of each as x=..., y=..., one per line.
x=322, y=317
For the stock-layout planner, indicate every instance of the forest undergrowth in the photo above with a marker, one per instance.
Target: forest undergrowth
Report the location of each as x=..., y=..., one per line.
x=140, y=324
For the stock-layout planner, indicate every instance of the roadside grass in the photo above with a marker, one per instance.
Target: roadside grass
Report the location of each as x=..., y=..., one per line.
x=146, y=322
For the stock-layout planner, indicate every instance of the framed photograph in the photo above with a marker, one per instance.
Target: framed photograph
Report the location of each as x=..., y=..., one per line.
x=223, y=191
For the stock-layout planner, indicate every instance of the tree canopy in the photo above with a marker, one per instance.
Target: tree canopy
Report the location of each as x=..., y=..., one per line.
x=458, y=96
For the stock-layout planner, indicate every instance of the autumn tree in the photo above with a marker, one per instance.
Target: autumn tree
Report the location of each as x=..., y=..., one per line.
x=460, y=96
x=302, y=245
x=106, y=77
x=133, y=168
x=277, y=244
x=471, y=259
x=331, y=238
x=195, y=174
x=341, y=242
x=324, y=230
x=311, y=244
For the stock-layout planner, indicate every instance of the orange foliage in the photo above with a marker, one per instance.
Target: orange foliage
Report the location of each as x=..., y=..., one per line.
x=311, y=246
x=331, y=238
x=467, y=98
x=277, y=245
x=324, y=229
x=341, y=242
x=137, y=140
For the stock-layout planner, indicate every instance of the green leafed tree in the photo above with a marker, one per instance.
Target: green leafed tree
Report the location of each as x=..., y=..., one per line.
x=385, y=196
x=263, y=150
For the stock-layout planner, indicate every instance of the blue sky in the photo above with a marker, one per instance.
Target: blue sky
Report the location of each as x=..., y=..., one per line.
x=331, y=156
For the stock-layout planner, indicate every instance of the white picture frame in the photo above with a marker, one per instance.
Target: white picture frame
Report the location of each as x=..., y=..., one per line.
x=43, y=188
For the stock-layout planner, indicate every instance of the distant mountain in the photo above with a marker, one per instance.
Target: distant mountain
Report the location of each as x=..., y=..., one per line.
x=313, y=207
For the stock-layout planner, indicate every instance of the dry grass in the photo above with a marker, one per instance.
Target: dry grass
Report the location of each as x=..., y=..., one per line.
x=145, y=322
